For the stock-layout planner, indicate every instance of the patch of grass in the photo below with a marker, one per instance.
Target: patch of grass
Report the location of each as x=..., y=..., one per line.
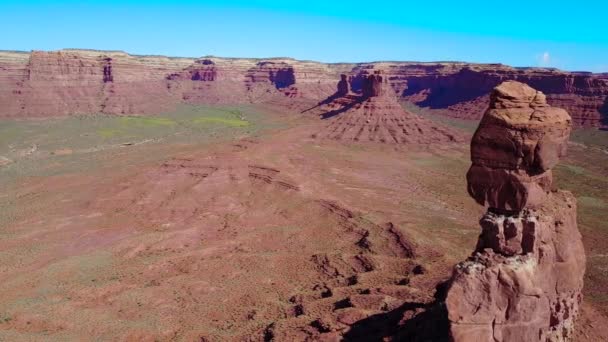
x=576, y=169
x=108, y=133
x=592, y=202
x=584, y=172
x=221, y=121
x=134, y=126
x=590, y=137
x=140, y=121
x=94, y=139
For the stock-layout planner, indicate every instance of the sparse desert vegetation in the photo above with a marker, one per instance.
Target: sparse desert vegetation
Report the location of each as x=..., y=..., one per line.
x=217, y=205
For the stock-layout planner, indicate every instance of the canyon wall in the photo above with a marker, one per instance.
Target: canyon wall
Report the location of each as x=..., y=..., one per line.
x=85, y=81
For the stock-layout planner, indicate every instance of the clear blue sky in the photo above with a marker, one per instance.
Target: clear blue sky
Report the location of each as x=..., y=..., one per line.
x=570, y=35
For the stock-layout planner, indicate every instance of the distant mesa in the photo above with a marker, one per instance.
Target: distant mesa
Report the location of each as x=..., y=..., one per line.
x=66, y=82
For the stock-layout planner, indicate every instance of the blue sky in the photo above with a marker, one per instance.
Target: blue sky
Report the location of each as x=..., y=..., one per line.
x=564, y=34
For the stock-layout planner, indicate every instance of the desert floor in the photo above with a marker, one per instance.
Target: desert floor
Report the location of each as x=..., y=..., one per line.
x=219, y=224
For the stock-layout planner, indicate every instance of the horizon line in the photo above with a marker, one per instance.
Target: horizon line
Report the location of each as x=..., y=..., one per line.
x=311, y=61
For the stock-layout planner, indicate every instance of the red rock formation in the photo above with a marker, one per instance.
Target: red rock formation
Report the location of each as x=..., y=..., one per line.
x=203, y=70
x=463, y=89
x=82, y=81
x=13, y=73
x=343, y=86
x=374, y=85
x=279, y=74
x=518, y=141
x=524, y=280
x=210, y=81
x=72, y=82
x=376, y=116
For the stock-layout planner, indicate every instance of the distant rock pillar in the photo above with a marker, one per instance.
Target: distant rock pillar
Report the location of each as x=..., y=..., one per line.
x=343, y=86
x=374, y=84
x=108, y=76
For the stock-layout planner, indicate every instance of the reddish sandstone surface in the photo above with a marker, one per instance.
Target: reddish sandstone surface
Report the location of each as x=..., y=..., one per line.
x=376, y=116
x=518, y=141
x=82, y=81
x=524, y=281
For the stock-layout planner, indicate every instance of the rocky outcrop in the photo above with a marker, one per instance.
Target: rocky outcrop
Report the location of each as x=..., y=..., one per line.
x=279, y=74
x=203, y=70
x=377, y=116
x=84, y=81
x=343, y=86
x=524, y=280
x=73, y=82
x=462, y=89
x=518, y=141
x=374, y=85
x=13, y=74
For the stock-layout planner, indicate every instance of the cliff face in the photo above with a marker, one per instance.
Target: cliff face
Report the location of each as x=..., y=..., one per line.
x=13, y=73
x=465, y=90
x=72, y=82
x=81, y=81
x=525, y=277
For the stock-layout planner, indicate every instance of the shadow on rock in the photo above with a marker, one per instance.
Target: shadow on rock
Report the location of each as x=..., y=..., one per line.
x=333, y=113
x=324, y=102
x=415, y=322
x=422, y=323
x=469, y=85
x=604, y=114
x=329, y=100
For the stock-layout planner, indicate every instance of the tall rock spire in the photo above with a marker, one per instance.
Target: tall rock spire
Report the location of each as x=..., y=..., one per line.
x=524, y=280
x=343, y=86
x=374, y=85
x=519, y=139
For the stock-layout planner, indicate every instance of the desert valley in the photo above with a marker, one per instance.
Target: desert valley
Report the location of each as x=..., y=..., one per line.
x=152, y=198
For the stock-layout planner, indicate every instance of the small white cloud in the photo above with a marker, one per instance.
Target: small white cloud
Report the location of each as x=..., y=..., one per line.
x=544, y=59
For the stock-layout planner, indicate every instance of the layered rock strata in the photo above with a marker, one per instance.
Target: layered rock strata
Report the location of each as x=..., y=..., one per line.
x=84, y=81
x=376, y=116
x=518, y=141
x=524, y=280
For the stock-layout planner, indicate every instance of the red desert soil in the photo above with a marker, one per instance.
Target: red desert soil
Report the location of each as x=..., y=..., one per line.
x=274, y=237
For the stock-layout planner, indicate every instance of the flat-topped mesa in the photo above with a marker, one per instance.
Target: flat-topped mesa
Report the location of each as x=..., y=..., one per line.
x=524, y=280
x=374, y=85
x=519, y=139
x=279, y=74
x=202, y=70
